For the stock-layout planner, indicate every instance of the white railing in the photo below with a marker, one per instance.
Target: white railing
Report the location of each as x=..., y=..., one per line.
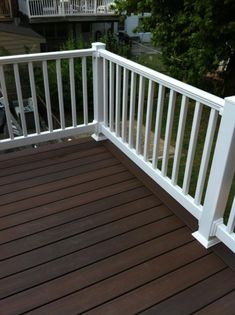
x=21, y=70
x=140, y=111
x=58, y=8
x=5, y=9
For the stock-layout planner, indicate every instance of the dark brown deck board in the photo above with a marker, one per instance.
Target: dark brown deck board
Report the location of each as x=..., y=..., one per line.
x=83, y=230
x=224, y=306
x=192, y=299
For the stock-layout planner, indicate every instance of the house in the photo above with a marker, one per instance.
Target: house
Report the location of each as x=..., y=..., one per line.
x=131, y=25
x=6, y=13
x=101, y=222
x=58, y=20
x=15, y=39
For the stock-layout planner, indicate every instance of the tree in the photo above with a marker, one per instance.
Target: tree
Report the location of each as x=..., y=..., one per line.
x=195, y=37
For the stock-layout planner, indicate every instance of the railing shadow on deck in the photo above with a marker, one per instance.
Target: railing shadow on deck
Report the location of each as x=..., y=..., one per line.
x=112, y=97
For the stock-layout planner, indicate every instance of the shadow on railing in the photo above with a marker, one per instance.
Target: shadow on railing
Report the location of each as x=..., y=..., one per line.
x=182, y=137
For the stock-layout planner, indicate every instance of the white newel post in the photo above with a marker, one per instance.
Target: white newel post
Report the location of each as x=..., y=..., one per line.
x=220, y=179
x=95, y=6
x=98, y=93
x=28, y=8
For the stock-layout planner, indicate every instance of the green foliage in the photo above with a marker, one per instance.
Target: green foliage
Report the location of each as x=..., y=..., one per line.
x=72, y=44
x=195, y=36
x=113, y=45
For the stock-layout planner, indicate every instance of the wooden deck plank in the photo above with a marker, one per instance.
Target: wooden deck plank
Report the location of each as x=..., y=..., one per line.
x=163, y=239
x=158, y=289
x=82, y=229
x=50, y=159
x=82, y=212
x=94, y=273
x=192, y=299
x=30, y=154
x=35, y=193
x=79, y=241
x=58, y=176
x=224, y=306
x=69, y=203
x=138, y=276
x=65, y=230
x=54, y=168
x=112, y=175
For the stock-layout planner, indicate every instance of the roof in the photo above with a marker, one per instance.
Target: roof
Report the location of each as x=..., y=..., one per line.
x=19, y=30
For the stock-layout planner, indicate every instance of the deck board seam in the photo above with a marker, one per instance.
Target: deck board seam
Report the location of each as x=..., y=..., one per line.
x=76, y=220
x=48, y=203
x=55, y=180
x=66, y=187
x=76, y=234
x=204, y=306
x=26, y=152
x=190, y=286
x=54, y=214
x=99, y=242
x=129, y=290
x=56, y=164
x=105, y=278
x=154, y=279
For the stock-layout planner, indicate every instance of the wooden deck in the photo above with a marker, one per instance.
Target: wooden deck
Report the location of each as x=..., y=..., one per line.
x=84, y=231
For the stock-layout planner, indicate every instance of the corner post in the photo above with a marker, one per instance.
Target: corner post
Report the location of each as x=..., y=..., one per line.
x=28, y=8
x=220, y=179
x=98, y=96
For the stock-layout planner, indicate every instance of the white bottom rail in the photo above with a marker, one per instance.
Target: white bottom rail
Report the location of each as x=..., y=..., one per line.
x=175, y=191
x=47, y=136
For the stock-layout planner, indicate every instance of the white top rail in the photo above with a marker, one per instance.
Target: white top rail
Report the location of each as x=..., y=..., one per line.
x=171, y=83
x=46, y=56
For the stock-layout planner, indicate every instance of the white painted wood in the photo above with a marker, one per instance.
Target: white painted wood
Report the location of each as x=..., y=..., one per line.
x=179, y=139
x=148, y=119
x=158, y=124
x=20, y=99
x=168, y=132
x=227, y=238
x=105, y=92
x=98, y=89
x=178, y=86
x=47, y=95
x=192, y=147
x=221, y=173
x=47, y=136
x=34, y=97
x=84, y=90
x=72, y=92
x=6, y=102
x=124, y=103
x=164, y=182
x=46, y=56
x=73, y=8
x=132, y=110
x=231, y=220
x=60, y=93
x=140, y=114
x=206, y=155
x=111, y=96
x=118, y=99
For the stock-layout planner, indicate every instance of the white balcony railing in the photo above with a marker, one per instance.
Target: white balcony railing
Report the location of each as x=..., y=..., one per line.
x=5, y=9
x=131, y=102
x=61, y=8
